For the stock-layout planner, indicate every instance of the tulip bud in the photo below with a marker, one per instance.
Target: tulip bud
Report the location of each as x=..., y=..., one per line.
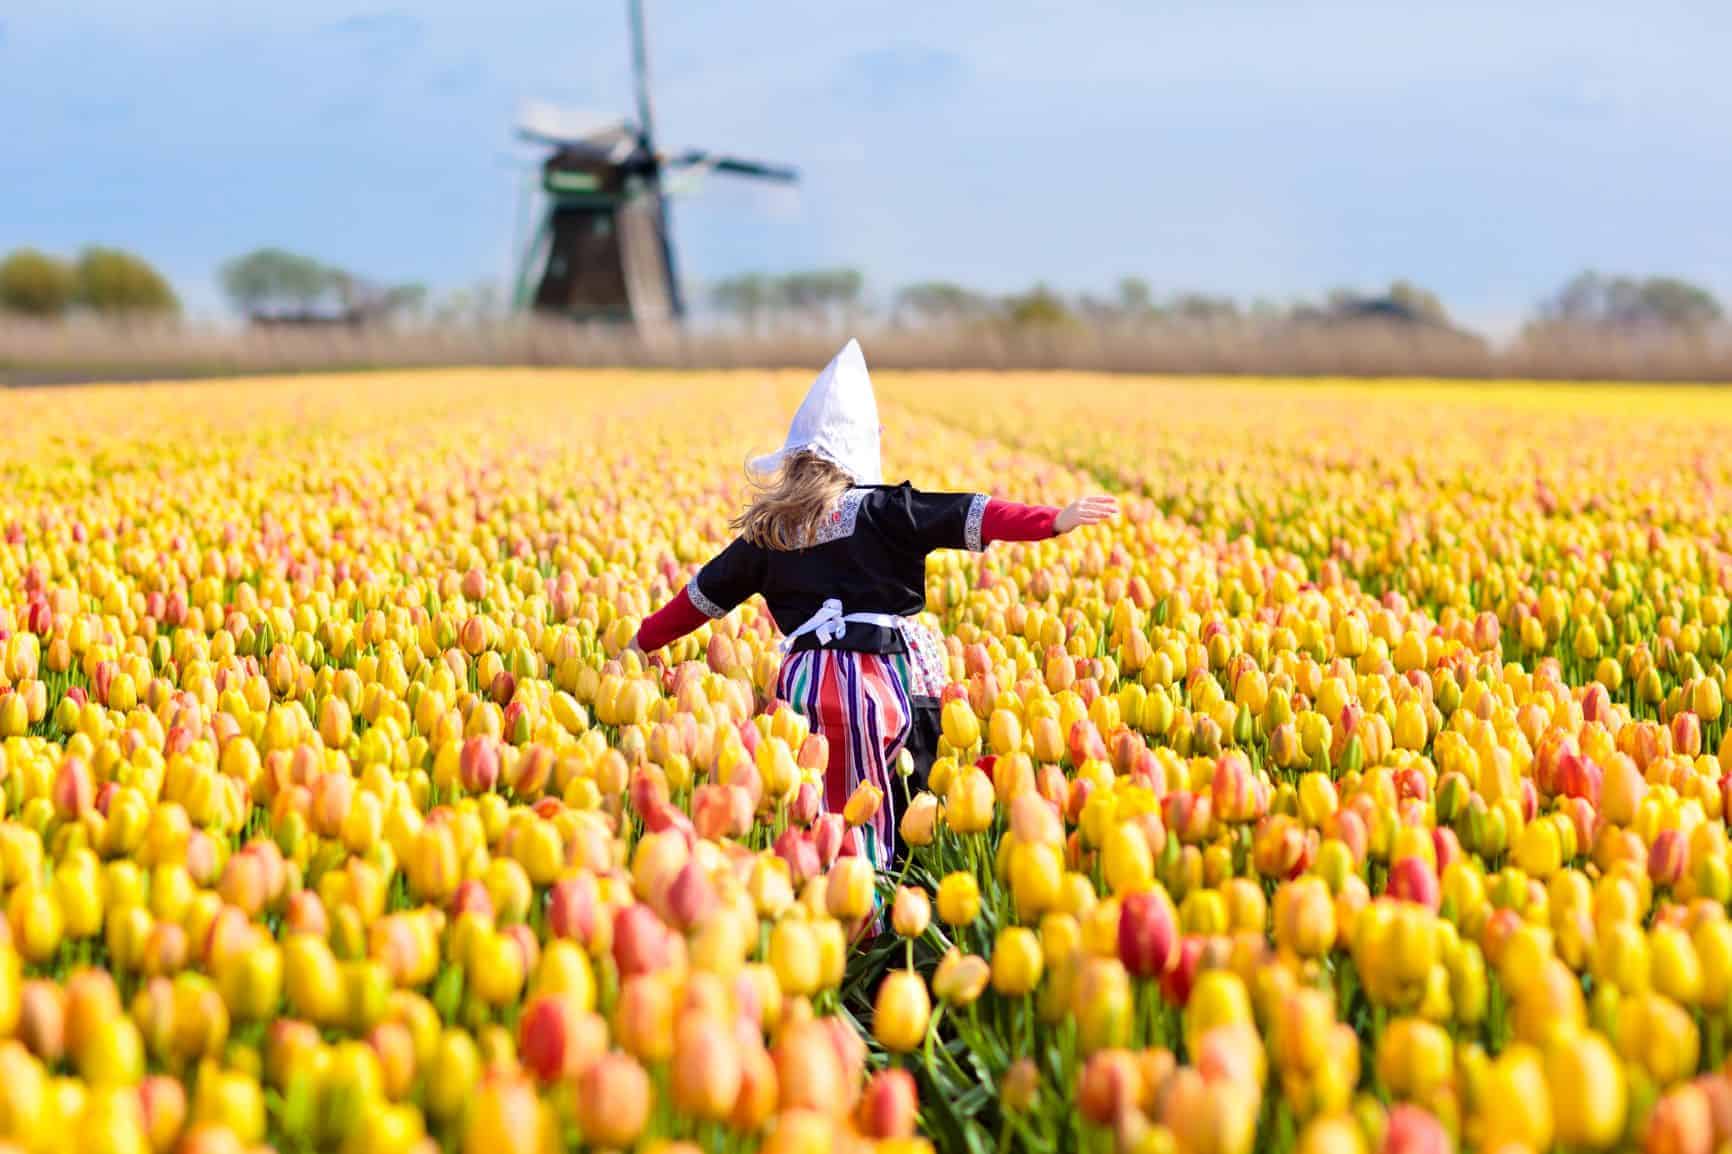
x=1147, y=934
x=863, y=805
x=919, y=820
x=901, y=1011
x=1017, y=962
x=706, y=1069
x=960, y=978
x=910, y=913
x=888, y=1105
x=506, y=1117
x=1108, y=1087
x=958, y=899
x=850, y=889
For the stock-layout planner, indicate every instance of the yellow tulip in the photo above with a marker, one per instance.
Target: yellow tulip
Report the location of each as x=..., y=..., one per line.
x=900, y=1014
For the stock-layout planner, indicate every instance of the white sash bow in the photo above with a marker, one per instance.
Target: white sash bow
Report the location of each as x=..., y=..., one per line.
x=830, y=623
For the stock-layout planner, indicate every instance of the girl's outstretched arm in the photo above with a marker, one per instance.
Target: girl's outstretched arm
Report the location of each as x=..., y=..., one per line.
x=1010, y=521
x=671, y=622
x=972, y=521
x=729, y=578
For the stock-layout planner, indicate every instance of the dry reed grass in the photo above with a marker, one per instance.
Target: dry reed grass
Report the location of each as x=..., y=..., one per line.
x=85, y=350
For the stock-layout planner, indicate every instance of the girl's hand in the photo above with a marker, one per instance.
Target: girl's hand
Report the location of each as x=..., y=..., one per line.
x=1086, y=511
x=650, y=660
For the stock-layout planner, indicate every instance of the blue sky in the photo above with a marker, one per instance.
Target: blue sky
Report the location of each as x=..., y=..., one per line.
x=1249, y=147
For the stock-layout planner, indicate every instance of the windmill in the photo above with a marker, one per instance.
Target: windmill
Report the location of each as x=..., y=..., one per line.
x=603, y=250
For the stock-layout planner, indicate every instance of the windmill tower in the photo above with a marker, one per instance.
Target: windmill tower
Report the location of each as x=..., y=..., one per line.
x=603, y=250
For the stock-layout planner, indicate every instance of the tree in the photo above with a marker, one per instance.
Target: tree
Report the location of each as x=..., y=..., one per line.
x=810, y=294
x=479, y=304
x=269, y=280
x=1405, y=303
x=35, y=284
x=1420, y=303
x=1194, y=306
x=1040, y=307
x=1592, y=300
x=408, y=299
x=1677, y=303
x=1341, y=301
x=745, y=296
x=116, y=283
x=843, y=287
x=1135, y=299
x=798, y=292
x=941, y=302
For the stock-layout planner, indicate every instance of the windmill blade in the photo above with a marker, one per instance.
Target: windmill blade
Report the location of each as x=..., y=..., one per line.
x=557, y=127
x=640, y=74
x=735, y=166
x=612, y=149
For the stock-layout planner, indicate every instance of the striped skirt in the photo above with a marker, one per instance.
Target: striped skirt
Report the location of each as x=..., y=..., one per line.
x=859, y=702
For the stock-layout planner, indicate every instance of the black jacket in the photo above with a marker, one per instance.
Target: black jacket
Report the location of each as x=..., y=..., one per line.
x=870, y=556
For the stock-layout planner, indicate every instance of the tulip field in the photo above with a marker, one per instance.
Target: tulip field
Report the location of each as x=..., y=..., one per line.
x=1361, y=790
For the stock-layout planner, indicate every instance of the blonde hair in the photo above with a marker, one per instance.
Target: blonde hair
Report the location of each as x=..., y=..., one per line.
x=791, y=503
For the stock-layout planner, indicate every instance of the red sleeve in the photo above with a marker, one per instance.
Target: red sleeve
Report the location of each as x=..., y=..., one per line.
x=671, y=622
x=1009, y=521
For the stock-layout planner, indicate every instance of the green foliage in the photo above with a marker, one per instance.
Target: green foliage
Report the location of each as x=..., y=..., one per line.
x=271, y=279
x=112, y=282
x=819, y=289
x=1039, y=307
x=1195, y=306
x=1591, y=299
x=939, y=301
x=405, y=298
x=808, y=294
x=272, y=282
x=1404, y=303
x=1421, y=303
x=35, y=284
x=745, y=296
x=1135, y=298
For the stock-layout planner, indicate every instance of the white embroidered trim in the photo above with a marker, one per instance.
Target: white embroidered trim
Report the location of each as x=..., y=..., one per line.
x=841, y=522
x=705, y=606
x=976, y=516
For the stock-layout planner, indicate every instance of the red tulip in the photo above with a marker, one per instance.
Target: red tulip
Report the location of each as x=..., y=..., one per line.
x=691, y=897
x=828, y=834
x=74, y=791
x=1667, y=858
x=472, y=897
x=640, y=941
x=804, y=809
x=889, y=1104
x=1411, y=879
x=1176, y=983
x=574, y=908
x=557, y=1039
x=1146, y=934
x=796, y=848
x=478, y=764
x=1687, y=734
x=1412, y=1130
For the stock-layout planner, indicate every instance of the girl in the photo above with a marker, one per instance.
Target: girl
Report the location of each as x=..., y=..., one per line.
x=840, y=559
